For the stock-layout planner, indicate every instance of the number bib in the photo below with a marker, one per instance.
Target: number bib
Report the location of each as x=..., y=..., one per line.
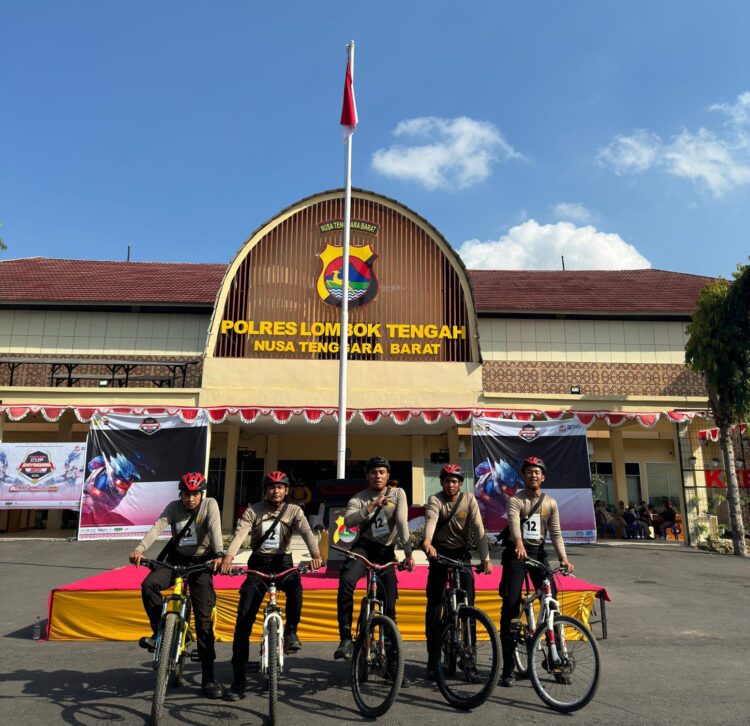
x=380, y=526
x=190, y=538
x=532, y=528
x=273, y=542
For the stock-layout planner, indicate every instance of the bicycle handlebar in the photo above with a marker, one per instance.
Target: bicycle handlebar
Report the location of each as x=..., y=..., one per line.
x=302, y=568
x=546, y=570
x=442, y=559
x=177, y=569
x=366, y=562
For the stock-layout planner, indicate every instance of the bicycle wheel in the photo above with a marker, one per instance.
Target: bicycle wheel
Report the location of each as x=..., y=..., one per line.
x=521, y=653
x=467, y=658
x=570, y=682
x=273, y=669
x=164, y=666
x=377, y=666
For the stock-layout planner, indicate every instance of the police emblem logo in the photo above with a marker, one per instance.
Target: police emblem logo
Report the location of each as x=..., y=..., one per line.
x=363, y=284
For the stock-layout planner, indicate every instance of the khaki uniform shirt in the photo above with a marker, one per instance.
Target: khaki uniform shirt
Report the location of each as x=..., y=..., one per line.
x=256, y=521
x=202, y=537
x=455, y=534
x=520, y=505
x=391, y=526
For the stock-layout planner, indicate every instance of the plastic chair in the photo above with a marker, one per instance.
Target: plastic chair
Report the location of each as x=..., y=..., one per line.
x=674, y=526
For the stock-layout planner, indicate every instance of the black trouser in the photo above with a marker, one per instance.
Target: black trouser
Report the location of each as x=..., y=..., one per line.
x=511, y=584
x=436, y=579
x=253, y=591
x=352, y=572
x=202, y=596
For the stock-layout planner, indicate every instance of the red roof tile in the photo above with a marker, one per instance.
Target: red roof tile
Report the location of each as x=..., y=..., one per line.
x=600, y=291
x=41, y=279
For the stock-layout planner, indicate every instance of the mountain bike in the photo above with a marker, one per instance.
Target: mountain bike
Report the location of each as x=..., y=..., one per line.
x=558, y=652
x=378, y=657
x=272, y=642
x=173, y=633
x=466, y=657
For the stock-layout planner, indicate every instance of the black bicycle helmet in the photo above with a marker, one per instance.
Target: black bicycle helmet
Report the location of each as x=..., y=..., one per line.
x=452, y=470
x=376, y=462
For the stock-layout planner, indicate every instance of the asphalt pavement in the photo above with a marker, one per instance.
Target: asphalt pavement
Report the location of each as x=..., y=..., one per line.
x=677, y=652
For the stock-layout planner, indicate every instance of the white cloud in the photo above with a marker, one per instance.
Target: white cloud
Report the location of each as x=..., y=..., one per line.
x=631, y=154
x=573, y=212
x=719, y=162
x=447, y=153
x=534, y=246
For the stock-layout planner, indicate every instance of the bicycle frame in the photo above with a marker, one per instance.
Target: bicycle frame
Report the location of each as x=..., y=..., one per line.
x=548, y=607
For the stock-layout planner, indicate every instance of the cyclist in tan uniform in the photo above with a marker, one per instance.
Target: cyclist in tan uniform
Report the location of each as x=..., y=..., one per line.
x=380, y=514
x=270, y=525
x=531, y=515
x=448, y=517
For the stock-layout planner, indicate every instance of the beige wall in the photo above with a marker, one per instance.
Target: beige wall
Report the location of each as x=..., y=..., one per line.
x=384, y=384
x=92, y=333
x=595, y=341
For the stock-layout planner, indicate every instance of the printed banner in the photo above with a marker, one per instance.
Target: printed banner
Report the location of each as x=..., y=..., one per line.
x=41, y=476
x=133, y=466
x=499, y=448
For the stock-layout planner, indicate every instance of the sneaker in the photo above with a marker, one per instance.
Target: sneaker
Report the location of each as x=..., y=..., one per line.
x=292, y=643
x=212, y=689
x=345, y=650
x=507, y=681
x=235, y=692
x=148, y=642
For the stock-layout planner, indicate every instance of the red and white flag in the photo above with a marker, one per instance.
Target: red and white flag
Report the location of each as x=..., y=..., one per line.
x=349, y=109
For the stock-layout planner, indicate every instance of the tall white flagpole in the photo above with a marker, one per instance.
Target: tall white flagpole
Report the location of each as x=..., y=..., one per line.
x=344, y=338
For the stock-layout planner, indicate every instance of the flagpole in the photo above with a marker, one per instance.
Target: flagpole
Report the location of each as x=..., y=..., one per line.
x=344, y=337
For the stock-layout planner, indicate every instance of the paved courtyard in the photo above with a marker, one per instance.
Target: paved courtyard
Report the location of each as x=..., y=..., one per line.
x=677, y=652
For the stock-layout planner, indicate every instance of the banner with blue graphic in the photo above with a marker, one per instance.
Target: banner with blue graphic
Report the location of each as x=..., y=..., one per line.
x=499, y=448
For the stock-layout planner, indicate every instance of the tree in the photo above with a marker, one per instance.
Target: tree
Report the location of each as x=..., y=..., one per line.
x=719, y=349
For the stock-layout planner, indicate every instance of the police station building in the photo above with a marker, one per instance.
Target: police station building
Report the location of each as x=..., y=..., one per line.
x=255, y=343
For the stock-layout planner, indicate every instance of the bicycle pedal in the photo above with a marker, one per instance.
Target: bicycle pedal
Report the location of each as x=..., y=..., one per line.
x=194, y=657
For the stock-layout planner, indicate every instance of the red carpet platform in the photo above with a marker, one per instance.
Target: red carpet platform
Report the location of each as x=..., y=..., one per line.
x=108, y=606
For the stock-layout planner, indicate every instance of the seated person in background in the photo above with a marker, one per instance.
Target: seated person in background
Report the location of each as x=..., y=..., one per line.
x=634, y=527
x=618, y=518
x=646, y=519
x=604, y=522
x=668, y=518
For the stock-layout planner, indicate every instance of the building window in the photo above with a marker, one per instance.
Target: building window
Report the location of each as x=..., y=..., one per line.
x=663, y=483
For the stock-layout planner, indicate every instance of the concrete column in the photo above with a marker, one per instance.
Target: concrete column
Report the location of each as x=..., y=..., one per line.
x=230, y=478
x=272, y=453
x=617, y=450
x=418, y=495
x=453, y=444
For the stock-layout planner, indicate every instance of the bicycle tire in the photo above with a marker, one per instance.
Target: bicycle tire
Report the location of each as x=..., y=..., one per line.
x=273, y=670
x=164, y=666
x=521, y=652
x=467, y=662
x=570, y=685
x=377, y=666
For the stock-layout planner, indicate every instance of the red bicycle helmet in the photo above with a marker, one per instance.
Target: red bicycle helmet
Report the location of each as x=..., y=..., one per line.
x=452, y=470
x=533, y=461
x=275, y=477
x=192, y=482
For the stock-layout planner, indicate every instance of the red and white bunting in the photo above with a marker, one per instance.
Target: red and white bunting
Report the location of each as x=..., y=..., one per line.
x=370, y=416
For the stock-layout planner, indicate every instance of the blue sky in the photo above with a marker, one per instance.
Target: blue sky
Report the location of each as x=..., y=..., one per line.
x=615, y=134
